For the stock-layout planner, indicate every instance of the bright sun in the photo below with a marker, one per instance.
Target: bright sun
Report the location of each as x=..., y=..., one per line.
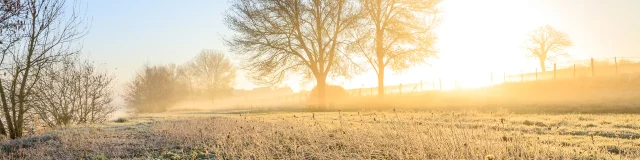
x=475, y=39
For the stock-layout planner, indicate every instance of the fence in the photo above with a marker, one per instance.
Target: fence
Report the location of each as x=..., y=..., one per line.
x=580, y=69
x=573, y=69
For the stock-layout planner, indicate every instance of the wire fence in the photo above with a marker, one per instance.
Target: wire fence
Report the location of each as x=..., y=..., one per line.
x=585, y=68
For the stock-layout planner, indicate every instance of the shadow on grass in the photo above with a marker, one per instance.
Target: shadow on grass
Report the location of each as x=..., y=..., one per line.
x=27, y=142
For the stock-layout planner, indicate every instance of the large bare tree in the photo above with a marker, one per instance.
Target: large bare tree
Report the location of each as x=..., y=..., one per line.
x=547, y=43
x=212, y=72
x=396, y=33
x=280, y=37
x=47, y=34
x=73, y=92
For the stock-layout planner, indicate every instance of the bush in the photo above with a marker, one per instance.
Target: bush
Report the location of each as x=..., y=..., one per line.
x=333, y=94
x=73, y=92
x=120, y=120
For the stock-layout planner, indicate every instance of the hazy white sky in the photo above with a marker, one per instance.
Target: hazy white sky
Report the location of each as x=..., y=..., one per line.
x=475, y=38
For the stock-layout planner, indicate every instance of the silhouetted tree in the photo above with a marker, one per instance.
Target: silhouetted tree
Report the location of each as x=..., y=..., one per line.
x=547, y=43
x=212, y=73
x=154, y=89
x=277, y=37
x=44, y=34
x=396, y=33
x=73, y=92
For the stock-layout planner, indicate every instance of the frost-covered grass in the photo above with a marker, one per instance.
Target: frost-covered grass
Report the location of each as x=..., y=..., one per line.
x=341, y=135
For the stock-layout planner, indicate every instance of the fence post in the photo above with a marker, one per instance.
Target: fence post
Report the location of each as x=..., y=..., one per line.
x=504, y=77
x=491, y=78
x=554, y=71
x=421, y=86
x=536, y=74
x=574, y=70
x=593, y=70
x=440, y=84
x=433, y=85
x=615, y=60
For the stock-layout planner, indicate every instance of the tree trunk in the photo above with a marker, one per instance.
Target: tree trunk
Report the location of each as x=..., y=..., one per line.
x=381, y=82
x=213, y=95
x=214, y=89
x=18, y=128
x=542, y=65
x=2, y=130
x=321, y=88
x=5, y=110
x=381, y=65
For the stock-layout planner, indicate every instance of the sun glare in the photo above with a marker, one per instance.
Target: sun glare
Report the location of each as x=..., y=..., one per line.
x=476, y=39
x=216, y=79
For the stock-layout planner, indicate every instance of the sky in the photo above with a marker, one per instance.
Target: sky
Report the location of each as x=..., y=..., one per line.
x=475, y=37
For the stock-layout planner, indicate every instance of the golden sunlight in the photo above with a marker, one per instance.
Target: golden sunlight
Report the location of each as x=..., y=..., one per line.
x=320, y=79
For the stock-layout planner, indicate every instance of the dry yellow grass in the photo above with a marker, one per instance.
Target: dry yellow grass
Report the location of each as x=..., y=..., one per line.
x=342, y=135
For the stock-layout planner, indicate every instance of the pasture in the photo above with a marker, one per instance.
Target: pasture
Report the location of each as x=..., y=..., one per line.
x=382, y=134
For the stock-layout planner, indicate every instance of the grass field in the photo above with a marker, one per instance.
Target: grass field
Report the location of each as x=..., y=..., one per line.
x=583, y=118
x=340, y=135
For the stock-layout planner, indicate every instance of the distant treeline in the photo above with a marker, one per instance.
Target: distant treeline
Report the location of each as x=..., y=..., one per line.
x=208, y=76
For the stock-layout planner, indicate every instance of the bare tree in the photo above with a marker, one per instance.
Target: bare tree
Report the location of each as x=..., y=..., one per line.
x=182, y=81
x=11, y=23
x=547, y=43
x=153, y=90
x=396, y=33
x=280, y=37
x=73, y=92
x=212, y=73
x=47, y=35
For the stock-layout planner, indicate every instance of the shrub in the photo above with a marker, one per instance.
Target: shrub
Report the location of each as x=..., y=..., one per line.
x=73, y=92
x=333, y=94
x=121, y=120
